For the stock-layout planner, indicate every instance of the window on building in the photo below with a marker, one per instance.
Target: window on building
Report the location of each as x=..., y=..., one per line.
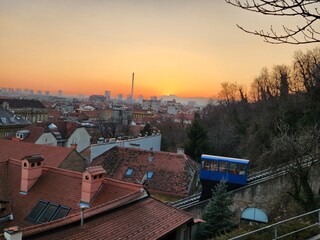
x=129, y=172
x=46, y=211
x=149, y=175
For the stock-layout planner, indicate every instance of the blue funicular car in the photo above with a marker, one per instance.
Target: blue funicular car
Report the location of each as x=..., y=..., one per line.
x=233, y=171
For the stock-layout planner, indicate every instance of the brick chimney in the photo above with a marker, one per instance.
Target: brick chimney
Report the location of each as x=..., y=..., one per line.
x=31, y=171
x=92, y=180
x=74, y=146
x=12, y=233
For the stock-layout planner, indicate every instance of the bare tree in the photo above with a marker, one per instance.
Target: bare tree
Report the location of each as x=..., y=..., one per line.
x=228, y=93
x=307, y=71
x=299, y=152
x=307, y=10
x=280, y=78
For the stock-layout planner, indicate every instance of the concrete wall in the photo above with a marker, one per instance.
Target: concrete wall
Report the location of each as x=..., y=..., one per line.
x=264, y=195
x=152, y=143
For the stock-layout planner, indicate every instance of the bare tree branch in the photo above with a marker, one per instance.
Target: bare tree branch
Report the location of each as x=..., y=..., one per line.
x=301, y=34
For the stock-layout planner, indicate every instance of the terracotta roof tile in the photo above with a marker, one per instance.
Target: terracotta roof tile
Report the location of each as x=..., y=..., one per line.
x=120, y=210
x=146, y=219
x=53, y=156
x=61, y=187
x=33, y=136
x=172, y=173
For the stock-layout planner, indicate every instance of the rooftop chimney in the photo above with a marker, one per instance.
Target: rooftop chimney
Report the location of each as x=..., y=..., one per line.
x=12, y=233
x=92, y=180
x=31, y=171
x=132, y=86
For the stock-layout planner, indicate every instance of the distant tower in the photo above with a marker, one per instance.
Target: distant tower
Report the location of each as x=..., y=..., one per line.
x=107, y=94
x=132, y=85
x=60, y=93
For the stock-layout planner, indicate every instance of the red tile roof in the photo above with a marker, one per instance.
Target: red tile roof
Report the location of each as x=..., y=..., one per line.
x=33, y=136
x=54, y=115
x=61, y=187
x=119, y=209
x=173, y=173
x=91, y=114
x=146, y=219
x=53, y=156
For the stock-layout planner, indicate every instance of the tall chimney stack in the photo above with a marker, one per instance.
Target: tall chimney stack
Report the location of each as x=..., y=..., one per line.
x=30, y=172
x=92, y=180
x=132, y=86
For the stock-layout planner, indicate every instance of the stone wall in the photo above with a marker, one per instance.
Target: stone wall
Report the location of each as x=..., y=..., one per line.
x=264, y=195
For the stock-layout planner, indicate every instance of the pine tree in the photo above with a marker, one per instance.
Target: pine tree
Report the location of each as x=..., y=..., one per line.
x=197, y=142
x=218, y=214
x=146, y=130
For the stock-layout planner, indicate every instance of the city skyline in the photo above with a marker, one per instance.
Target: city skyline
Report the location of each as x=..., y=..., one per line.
x=185, y=48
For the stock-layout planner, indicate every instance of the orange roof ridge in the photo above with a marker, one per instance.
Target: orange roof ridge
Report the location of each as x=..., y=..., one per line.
x=122, y=183
x=14, y=161
x=62, y=171
x=187, y=213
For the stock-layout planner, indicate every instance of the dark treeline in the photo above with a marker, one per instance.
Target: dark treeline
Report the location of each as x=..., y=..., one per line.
x=284, y=100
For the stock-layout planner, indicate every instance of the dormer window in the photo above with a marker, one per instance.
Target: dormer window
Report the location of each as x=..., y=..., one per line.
x=129, y=172
x=149, y=175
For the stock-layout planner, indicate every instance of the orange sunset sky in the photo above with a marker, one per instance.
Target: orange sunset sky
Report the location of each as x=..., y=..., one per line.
x=182, y=47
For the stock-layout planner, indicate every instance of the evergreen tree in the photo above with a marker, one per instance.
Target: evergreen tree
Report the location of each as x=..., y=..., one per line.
x=146, y=130
x=218, y=214
x=197, y=139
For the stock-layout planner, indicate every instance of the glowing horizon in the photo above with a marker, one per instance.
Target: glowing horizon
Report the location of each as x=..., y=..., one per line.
x=179, y=47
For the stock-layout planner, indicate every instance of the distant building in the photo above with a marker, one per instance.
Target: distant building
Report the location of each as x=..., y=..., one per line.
x=140, y=99
x=10, y=123
x=120, y=97
x=152, y=104
x=63, y=134
x=39, y=92
x=107, y=95
x=122, y=114
x=173, y=107
x=31, y=110
x=60, y=93
x=97, y=98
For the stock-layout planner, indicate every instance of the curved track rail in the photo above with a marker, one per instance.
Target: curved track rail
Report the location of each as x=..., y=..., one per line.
x=253, y=179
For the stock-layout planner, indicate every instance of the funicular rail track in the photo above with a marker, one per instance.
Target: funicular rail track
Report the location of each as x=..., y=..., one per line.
x=252, y=179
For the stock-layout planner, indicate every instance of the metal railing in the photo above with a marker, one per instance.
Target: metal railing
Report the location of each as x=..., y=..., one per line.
x=275, y=226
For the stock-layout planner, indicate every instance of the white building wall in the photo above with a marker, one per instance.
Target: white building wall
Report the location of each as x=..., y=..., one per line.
x=152, y=143
x=80, y=137
x=47, y=139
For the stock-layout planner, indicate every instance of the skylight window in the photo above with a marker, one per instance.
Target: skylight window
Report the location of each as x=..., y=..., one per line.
x=47, y=212
x=149, y=175
x=129, y=172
